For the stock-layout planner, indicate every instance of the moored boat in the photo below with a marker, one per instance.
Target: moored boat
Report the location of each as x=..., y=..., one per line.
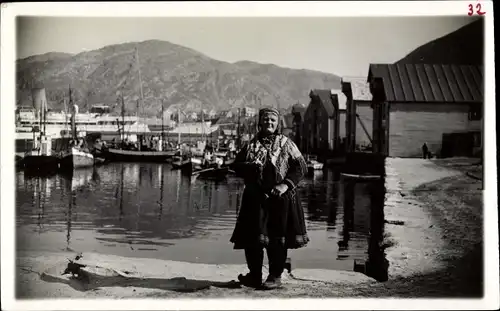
x=113, y=154
x=41, y=158
x=215, y=174
x=192, y=164
x=313, y=165
x=76, y=157
x=36, y=162
x=361, y=177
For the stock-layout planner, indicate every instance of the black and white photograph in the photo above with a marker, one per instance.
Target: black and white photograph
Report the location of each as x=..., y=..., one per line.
x=249, y=156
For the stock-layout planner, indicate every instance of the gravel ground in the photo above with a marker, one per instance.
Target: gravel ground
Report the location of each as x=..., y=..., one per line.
x=451, y=268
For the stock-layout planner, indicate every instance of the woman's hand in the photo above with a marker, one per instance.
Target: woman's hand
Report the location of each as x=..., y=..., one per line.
x=278, y=190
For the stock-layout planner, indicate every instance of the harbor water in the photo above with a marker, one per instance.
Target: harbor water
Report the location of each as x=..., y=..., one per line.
x=149, y=210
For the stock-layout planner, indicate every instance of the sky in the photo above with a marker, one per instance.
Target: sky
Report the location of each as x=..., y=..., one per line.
x=344, y=46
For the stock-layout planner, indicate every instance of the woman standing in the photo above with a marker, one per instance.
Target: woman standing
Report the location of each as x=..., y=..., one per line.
x=271, y=215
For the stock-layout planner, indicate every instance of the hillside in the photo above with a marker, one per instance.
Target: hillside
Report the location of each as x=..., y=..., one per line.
x=464, y=46
x=178, y=75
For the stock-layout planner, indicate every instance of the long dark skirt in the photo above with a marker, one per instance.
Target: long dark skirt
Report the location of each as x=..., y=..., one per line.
x=275, y=219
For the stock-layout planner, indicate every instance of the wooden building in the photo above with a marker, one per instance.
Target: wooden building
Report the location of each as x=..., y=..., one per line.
x=359, y=126
x=415, y=104
x=298, y=112
x=342, y=105
x=287, y=126
x=321, y=123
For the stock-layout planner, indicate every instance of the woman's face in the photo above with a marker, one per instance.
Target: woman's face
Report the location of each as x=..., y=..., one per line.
x=269, y=123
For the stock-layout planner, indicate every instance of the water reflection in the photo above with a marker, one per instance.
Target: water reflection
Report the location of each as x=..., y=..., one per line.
x=364, y=217
x=377, y=265
x=150, y=210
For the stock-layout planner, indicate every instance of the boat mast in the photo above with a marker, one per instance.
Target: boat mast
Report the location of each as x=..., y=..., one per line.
x=162, y=127
x=238, y=131
x=140, y=85
x=140, y=77
x=65, y=115
x=179, y=127
x=203, y=138
x=44, y=111
x=123, y=118
x=137, y=118
x=73, y=115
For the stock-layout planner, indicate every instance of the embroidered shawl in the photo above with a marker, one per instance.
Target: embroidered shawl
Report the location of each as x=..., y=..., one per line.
x=278, y=153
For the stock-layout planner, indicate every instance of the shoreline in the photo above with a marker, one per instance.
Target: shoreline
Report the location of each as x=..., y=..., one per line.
x=452, y=271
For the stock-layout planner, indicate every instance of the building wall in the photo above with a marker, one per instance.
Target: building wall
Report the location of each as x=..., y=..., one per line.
x=315, y=128
x=365, y=113
x=329, y=133
x=342, y=127
x=413, y=124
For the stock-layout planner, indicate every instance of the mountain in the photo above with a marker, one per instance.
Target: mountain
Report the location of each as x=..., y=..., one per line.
x=465, y=46
x=182, y=77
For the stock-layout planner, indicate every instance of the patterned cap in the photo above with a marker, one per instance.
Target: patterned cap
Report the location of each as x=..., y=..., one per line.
x=269, y=110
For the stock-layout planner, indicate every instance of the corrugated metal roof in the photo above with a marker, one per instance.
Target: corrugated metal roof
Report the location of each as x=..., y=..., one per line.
x=430, y=83
x=360, y=88
x=325, y=97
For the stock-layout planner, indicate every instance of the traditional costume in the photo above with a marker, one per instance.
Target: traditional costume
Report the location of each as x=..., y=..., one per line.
x=265, y=220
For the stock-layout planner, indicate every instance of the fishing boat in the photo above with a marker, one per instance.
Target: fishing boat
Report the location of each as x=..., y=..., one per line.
x=40, y=157
x=180, y=161
x=313, y=165
x=124, y=155
x=140, y=153
x=77, y=155
x=215, y=174
x=189, y=165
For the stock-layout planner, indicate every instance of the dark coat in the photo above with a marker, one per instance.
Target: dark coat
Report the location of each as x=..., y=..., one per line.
x=263, y=218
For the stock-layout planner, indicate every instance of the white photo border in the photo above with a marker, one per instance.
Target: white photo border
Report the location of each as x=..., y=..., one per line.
x=241, y=9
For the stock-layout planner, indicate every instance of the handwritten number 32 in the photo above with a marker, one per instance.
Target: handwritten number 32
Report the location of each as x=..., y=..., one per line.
x=478, y=9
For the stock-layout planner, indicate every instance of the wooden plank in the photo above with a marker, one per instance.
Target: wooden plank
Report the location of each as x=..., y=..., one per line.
x=364, y=128
x=399, y=96
x=461, y=83
x=441, y=79
x=452, y=82
x=471, y=84
x=405, y=83
x=424, y=83
x=414, y=83
x=433, y=82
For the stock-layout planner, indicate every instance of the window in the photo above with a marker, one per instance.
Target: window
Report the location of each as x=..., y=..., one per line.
x=475, y=113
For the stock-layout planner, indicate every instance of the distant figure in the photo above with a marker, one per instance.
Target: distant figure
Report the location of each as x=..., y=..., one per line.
x=425, y=150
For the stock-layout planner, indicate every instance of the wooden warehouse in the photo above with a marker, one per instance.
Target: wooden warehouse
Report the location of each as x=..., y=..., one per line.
x=321, y=124
x=440, y=105
x=359, y=114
